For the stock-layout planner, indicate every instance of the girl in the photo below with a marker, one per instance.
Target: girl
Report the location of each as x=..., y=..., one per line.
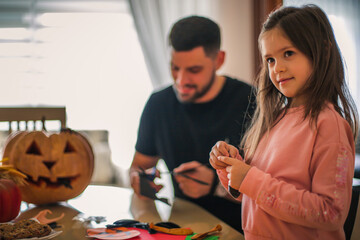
x=296, y=179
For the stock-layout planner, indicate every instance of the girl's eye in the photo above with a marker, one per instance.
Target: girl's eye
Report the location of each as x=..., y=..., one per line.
x=270, y=60
x=288, y=53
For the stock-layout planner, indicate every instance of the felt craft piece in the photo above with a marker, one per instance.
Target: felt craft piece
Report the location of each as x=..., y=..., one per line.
x=113, y=233
x=41, y=217
x=203, y=235
x=145, y=235
x=147, y=190
x=173, y=231
x=206, y=238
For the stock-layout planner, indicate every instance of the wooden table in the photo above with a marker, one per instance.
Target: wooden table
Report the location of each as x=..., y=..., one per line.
x=116, y=203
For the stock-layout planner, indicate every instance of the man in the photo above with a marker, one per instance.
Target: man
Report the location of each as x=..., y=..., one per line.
x=181, y=123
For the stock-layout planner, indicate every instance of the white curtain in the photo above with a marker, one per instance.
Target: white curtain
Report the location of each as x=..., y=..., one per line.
x=153, y=20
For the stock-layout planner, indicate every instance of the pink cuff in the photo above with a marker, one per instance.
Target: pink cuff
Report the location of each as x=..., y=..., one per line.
x=252, y=182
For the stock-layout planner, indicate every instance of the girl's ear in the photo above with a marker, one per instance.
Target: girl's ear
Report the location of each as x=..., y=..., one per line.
x=220, y=59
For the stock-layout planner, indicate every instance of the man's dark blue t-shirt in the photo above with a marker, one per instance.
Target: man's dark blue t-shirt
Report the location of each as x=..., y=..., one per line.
x=183, y=132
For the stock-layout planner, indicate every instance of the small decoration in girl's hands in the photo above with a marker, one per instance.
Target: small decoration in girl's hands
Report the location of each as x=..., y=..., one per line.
x=235, y=193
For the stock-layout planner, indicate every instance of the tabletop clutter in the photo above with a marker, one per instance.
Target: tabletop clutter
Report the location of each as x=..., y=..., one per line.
x=41, y=227
x=126, y=229
x=46, y=168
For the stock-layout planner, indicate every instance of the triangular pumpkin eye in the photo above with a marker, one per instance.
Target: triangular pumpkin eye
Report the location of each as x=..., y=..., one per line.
x=69, y=148
x=33, y=149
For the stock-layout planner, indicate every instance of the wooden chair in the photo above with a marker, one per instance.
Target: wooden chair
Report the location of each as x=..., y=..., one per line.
x=32, y=114
x=350, y=220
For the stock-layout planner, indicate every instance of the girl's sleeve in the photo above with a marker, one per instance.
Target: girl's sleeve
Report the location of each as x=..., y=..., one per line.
x=324, y=206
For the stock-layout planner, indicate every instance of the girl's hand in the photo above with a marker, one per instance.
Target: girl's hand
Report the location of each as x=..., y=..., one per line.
x=236, y=170
x=222, y=148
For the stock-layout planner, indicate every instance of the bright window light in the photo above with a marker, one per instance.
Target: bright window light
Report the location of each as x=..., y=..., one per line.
x=347, y=45
x=14, y=33
x=91, y=63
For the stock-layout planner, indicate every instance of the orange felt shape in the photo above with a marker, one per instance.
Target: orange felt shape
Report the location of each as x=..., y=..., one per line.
x=58, y=166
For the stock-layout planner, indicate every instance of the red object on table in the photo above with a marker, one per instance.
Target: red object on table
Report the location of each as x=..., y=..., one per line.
x=145, y=235
x=10, y=200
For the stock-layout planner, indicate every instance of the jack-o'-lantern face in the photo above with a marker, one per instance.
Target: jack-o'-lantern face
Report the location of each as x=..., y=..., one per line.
x=59, y=167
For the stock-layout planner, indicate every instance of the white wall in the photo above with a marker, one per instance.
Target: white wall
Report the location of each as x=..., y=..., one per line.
x=235, y=18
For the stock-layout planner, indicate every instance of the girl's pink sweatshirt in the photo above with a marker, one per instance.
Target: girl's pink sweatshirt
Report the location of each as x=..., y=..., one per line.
x=300, y=183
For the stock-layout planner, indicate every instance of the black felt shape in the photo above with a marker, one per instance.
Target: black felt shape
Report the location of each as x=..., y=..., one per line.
x=235, y=193
x=147, y=191
x=169, y=225
x=125, y=222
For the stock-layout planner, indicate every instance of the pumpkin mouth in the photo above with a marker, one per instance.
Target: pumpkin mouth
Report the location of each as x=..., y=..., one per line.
x=45, y=182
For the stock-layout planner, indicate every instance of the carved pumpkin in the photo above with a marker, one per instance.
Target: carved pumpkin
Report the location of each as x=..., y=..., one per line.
x=58, y=166
x=10, y=200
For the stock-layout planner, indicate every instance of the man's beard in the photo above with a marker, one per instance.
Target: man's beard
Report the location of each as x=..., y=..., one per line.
x=197, y=94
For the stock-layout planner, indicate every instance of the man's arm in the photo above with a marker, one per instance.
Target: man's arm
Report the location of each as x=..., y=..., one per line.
x=142, y=162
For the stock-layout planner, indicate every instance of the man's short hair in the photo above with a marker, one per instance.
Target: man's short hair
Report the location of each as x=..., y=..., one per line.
x=195, y=31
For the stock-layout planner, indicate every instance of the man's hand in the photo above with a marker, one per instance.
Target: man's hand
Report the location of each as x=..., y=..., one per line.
x=192, y=188
x=142, y=161
x=135, y=180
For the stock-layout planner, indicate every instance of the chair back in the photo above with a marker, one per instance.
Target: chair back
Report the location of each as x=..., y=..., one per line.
x=32, y=114
x=350, y=220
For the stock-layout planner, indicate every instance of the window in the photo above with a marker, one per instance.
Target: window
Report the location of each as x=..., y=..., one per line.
x=82, y=54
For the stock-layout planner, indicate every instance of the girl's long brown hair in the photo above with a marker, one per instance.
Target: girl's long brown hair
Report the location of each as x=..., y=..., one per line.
x=310, y=31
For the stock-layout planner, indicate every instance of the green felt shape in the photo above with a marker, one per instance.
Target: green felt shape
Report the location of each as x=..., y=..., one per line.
x=210, y=237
